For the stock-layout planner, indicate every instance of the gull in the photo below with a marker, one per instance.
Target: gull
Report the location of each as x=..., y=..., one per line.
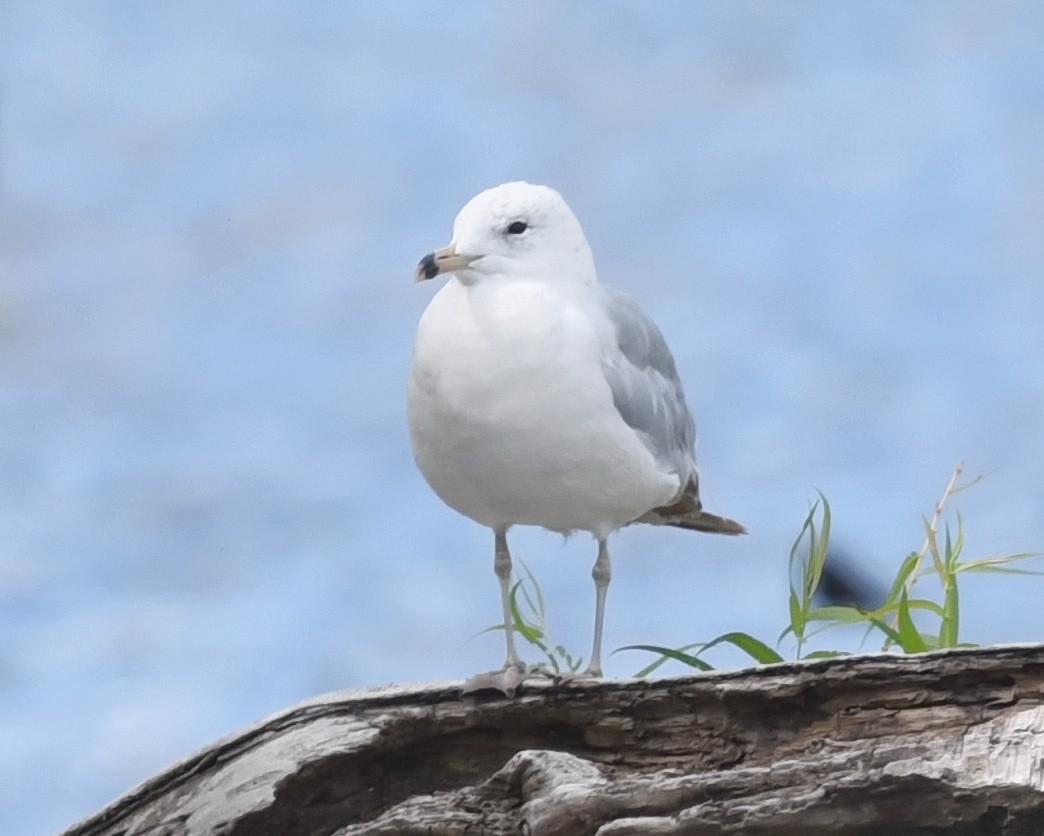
x=538, y=396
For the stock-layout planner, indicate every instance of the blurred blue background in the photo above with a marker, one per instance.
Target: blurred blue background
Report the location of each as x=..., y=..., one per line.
x=209, y=217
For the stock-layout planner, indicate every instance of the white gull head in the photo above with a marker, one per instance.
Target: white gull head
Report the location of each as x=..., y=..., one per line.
x=516, y=230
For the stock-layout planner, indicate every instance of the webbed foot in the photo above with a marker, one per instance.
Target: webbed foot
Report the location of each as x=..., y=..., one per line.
x=506, y=680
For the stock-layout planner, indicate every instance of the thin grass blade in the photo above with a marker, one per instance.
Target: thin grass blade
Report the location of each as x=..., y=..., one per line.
x=668, y=653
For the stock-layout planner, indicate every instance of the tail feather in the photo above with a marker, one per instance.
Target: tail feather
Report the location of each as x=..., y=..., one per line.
x=702, y=521
x=687, y=512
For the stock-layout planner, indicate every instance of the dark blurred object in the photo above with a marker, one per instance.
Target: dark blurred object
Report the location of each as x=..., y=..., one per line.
x=844, y=583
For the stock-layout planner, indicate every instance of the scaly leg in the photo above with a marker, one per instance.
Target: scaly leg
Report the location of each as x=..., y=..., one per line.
x=502, y=569
x=602, y=573
x=514, y=671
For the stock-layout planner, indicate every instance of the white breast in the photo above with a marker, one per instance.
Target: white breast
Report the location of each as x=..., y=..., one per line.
x=511, y=419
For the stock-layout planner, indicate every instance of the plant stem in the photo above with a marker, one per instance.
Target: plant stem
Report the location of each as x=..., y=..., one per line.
x=933, y=526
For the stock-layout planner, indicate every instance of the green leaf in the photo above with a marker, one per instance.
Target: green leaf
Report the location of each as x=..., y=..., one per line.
x=908, y=567
x=795, y=548
x=931, y=642
x=825, y=654
x=755, y=648
x=999, y=563
x=536, y=600
x=911, y=640
x=806, y=567
x=951, y=615
x=818, y=547
x=890, y=633
x=911, y=603
x=797, y=557
x=667, y=653
x=566, y=656
x=823, y=627
x=797, y=616
x=810, y=564
x=530, y=632
x=1002, y=570
x=841, y=614
x=953, y=552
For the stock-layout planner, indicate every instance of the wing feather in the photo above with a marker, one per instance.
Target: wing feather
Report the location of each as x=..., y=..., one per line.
x=646, y=388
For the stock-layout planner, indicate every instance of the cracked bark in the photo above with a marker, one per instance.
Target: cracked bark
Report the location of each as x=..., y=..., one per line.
x=941, y=743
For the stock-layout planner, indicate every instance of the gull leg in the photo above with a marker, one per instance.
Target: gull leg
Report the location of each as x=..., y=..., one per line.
x=602, y=573
x=508, y=678
x=502, y=569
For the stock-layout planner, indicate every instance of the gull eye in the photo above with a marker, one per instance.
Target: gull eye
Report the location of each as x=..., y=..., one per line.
x=517, y=227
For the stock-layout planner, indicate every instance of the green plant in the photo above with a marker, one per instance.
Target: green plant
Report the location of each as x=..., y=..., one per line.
x=529, y=618
x=894, y=620
x=900, y=620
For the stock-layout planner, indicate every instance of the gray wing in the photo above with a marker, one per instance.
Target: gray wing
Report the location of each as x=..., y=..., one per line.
x=645, y=386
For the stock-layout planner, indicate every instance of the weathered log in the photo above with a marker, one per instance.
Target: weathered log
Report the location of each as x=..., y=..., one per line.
x=940, y=743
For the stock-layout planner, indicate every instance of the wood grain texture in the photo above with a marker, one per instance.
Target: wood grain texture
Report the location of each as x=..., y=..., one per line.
x=940, y=743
